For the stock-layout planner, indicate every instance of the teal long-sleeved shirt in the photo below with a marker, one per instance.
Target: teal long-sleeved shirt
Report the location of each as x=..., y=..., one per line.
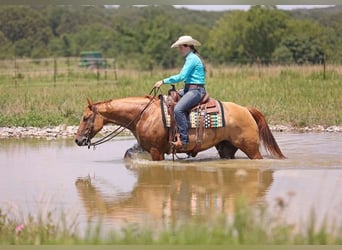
x=192, y=72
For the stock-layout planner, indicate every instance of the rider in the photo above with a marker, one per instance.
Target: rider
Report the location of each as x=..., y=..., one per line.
x=193, y=74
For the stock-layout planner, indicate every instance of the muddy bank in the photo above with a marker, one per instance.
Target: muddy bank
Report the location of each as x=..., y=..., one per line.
x=64, y=131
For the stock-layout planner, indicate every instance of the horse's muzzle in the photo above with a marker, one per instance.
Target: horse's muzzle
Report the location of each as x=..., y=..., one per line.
x=83, y=141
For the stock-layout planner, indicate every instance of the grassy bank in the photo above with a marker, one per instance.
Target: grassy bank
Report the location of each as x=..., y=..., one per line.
x=296, y=96
x=247, y=226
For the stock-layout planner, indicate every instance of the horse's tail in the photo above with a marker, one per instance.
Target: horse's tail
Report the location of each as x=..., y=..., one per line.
x=265, y=133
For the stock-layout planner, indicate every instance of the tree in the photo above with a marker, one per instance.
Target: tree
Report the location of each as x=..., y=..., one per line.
x=332, y=25
x=142, y=35
x=263, y=32
x=248, y=36
x=306, y=41
x=226, y=39
x=25, y=28
x=92, y=37
x=5, y=46
x=282, y=55
x=159, y=34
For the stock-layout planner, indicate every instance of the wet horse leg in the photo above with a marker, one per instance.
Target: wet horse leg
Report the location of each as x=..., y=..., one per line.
x=226, y=150
x=156, y=154
x=250, y=148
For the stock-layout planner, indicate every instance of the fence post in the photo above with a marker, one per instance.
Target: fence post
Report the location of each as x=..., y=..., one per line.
x=105, y=65
x=15, y=70
x=97, y=70
x=54, y=71
x=150, y=68
x=259, y=66
x=324, y=66
x=114, y=68
x=68, y=68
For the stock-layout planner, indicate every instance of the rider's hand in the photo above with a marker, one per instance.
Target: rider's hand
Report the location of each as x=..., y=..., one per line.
x=158, y=84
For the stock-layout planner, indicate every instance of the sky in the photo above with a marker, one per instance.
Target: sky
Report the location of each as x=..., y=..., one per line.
x=245, y=7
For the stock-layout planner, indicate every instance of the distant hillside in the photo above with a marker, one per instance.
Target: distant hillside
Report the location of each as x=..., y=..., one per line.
x=316, y=12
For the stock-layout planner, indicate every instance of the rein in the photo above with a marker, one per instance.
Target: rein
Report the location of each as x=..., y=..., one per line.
x=120, y=129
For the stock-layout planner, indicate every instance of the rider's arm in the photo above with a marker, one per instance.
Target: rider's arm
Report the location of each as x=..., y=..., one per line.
x=187, y=69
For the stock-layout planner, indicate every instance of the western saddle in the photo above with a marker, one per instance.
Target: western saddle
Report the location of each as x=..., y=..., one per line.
x=205, y=106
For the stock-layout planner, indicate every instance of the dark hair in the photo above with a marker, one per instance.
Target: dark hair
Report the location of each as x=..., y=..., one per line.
x=192, y=47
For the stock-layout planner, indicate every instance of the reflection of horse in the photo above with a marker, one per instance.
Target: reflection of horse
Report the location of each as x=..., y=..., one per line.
x=244, y=128
x=165, y=194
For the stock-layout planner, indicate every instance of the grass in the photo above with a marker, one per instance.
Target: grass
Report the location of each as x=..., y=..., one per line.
x=292, y=95
x=247, y=226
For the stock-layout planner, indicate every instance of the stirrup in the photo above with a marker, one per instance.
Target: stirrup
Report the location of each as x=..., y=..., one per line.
x=177, y=144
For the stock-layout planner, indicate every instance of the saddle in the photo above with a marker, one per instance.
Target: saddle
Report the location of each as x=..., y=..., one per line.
x=207, y=103
x=207, y=114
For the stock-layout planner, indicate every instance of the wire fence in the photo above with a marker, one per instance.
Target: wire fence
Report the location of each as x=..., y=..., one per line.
x=71, y=69
x=56, y=69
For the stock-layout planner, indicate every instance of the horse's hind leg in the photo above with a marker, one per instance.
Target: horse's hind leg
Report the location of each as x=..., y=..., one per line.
x=226, y=150
x=251, y=149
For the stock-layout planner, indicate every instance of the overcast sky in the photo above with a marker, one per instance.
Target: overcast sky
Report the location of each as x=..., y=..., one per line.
x=244, y=7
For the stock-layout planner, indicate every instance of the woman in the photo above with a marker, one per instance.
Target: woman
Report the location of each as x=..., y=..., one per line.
x=193, y=75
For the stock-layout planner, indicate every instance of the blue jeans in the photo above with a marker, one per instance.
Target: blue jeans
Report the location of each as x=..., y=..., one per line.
x=189, y=98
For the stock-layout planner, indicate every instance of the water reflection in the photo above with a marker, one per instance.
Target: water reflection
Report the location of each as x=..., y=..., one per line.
x=142, y=190
x=170, y=194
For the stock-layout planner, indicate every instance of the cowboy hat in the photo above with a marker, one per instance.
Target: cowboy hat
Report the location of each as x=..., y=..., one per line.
x=188, y=40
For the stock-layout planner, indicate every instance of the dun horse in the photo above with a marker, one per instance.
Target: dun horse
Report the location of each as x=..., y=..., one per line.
x=245, y=128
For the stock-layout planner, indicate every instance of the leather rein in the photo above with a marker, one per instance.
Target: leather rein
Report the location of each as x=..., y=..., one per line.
x=119, y=129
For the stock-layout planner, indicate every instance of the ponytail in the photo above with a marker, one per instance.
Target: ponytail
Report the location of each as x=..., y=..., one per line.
x=199, y=55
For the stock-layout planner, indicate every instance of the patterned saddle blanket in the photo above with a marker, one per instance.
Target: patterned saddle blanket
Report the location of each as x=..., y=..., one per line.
x=210, y=114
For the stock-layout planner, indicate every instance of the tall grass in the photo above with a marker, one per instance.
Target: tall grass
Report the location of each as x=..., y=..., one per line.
x=246, y=226
x=295, y=95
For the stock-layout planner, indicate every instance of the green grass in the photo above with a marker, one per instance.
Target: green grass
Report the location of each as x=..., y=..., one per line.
x=247, y=226
x=296, y=96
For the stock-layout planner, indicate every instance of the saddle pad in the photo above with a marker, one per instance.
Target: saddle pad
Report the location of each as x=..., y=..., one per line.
x=211, y=119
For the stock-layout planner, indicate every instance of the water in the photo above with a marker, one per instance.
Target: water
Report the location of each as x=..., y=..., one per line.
x=40, y=176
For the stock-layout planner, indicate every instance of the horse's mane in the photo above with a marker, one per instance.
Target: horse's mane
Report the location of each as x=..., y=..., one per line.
x=149, y=97
x=102, y=102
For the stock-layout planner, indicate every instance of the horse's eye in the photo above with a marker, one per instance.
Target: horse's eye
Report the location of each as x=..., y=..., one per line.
x=85, y=118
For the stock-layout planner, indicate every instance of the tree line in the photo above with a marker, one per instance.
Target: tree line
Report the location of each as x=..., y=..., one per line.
x=141, y=36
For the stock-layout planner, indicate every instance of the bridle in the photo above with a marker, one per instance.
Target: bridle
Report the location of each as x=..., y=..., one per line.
x=119, y=129
x=91, y=121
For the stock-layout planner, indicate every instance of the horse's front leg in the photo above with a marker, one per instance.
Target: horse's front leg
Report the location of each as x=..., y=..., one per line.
x=156, y=155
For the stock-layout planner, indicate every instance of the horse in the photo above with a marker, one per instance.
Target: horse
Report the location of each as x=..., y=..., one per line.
x=245, y=128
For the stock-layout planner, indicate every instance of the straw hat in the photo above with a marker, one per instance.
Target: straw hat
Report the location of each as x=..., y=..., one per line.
x=188, y=40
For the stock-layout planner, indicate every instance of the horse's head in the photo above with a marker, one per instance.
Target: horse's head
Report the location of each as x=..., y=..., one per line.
x=91, y=123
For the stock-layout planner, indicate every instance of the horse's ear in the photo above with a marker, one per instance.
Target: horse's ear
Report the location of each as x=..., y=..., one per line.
x=90, y=103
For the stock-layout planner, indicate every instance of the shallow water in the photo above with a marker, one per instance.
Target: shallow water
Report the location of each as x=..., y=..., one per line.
x=40, y=175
